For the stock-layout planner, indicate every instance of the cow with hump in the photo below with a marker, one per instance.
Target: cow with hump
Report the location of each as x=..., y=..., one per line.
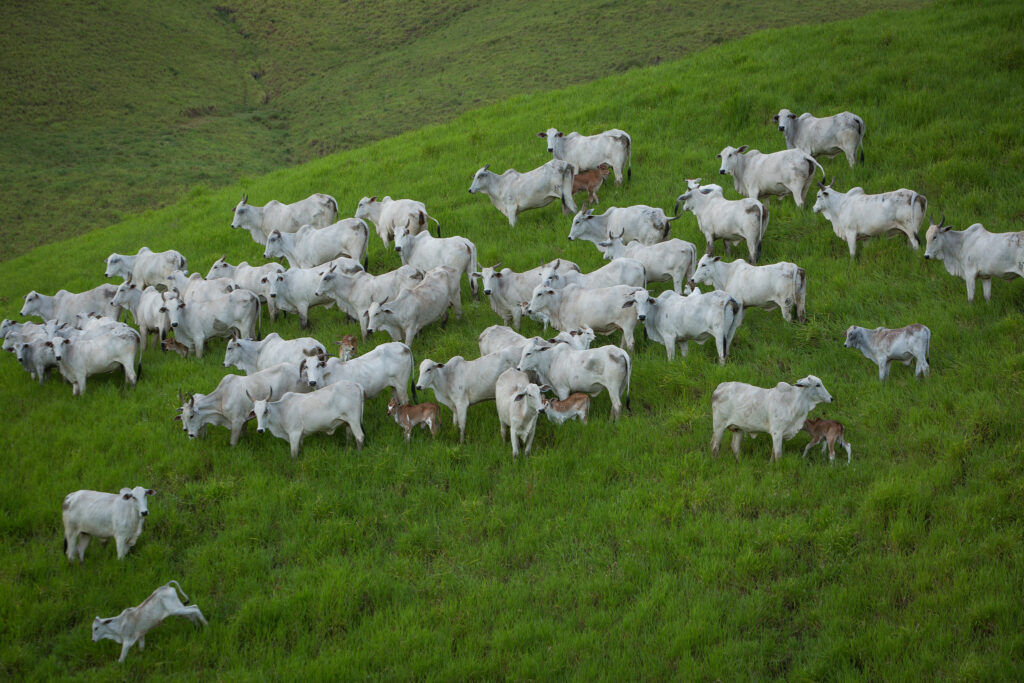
x=318, y=210
x=513, y=192
x=883, y=346
x=567, y=370
x=830, y=135
x=858, y=216
x=131, y=625
x=756, y=175
x=976, y=253
x=95, y=514
x=584, y=152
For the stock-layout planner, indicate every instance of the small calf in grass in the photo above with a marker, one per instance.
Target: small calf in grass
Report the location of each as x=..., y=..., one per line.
x=347, y=347
x=590, y=181
x=828, y=431
x=174, y=345
x=575, y=406
x=426, y=415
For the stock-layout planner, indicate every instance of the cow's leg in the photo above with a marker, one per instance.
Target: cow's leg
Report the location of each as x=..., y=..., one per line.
x=716, y=439
x=970, y=278
x=237, y=430
x=776, y=446
x=809, y=446
x=883, y=369
x=710, y=249
x=627, y=339
x=129, y=372
x=514, y=438
x=720, y=345
x=83, y=543
x=851, y=242
x=986, y=287
x=912, y=239
x=737, y=437
x=460, y=418
x=294, y=443
x=684, y=347
x=142, y=642
x=502, y=426
x=70, y=544
x=832, y=451
x=845, y=444
x=922, y=367
x=357, y=432
x=125, y=646
x=670, y=346
x=303, y=316
x=122, y=546
x=616, y=404
x=529, y=439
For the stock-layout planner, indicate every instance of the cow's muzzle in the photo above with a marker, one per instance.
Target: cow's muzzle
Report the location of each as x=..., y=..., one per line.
x=721, y=171
x=259, y=430
x=487, y=292
x=174, y=324
x=312, y=383
x=782, y=128
x=641, y=318
x=144, y=513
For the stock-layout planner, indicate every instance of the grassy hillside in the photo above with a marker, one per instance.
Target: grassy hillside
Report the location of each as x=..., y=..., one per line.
x=617, y=551
x=116, y=108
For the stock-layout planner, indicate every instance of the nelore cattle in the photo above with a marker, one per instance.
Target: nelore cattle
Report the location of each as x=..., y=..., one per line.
x=827, y=433
x=254, y=278
x=567, y=370
x=726, y=219
x=318, y=210
x=672, y=259
x=114, y=346
x=95, y=514
x=976, y=253
x=672, y=319
x=294, y=416
x=513, y=192
x=645, y=224
x=249, y=355
x=146, y=306
x=296, y=290
x=131, y=625
x=236, y=313
x=603, y=309
x=831, y=135
x=64, y=306
x=424, y=251
x=518, y=402
x=756, y=175
x=146, y=267
x=195, y=289
x=583, y=152
x=858, y=216
x=782, y=285
x=388, y=214
x=498, y=337
x=388, y=365
x=621, y=271
x=426, y=415
x=354, y=291
x=882, y=346
x=309, y=247
x=508, y=290
x=415, y=308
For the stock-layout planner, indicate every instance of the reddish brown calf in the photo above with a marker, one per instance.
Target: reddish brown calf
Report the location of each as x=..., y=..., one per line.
x=346, y=347
x=427, y=415
x=590, y=181
x=831, y=432
x=576, y=405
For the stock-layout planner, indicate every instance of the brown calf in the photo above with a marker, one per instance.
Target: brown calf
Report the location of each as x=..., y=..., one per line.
x=829, y=431
x=590, y=181
x=346, y=347
x=559, y=412
x=427, y=415
x=174, y=345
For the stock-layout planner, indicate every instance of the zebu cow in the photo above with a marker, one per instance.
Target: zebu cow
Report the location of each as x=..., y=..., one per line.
x=94, y=514
x=622, y=271
x=757, y=175
x=780, y=284
x=518, y=402
x=298, y=289
x=196, y=289
x=230, y=404
x=498, y=337
x=829, y=135
x=603, y=309
x=254, y=278
x=672, y=259
x=426, y=415
x=513, y=192
x=508, y=290
x=858, y=216
x=590, y=182
x=251, y=356
x=725, y=219
x=415, y=308
x=234, y=313
x=388, y=214
x=146, y=267
x=310, y=247
x=425, y=252
x=294, y=416
x=32, y=344
x=882, y=346
x=132, y=625
x=642, y=223
x=976, y=253
x=388, y=365
x=585, y=152
x=318, y=210
x=64, y=306
x=673, y=319
x=567, y=370
x=85, y=355
x=145, y=306
x=354, y=291
x=780, y=411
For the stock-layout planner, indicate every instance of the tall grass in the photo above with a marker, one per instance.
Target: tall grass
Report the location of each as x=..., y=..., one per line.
x=617, y=550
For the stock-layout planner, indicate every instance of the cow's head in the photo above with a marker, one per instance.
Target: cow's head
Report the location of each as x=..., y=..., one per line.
x=259, y=412
x=479, y=183
x=705, y=270
x=542, y=299
x=825, y=197
x=114, y=263
x=173, y=307
x=124, y=293
x=274, y=283
x=554, y=138
x=854, y=336
x=402, y=237
x=233, y=354
x=32, y=300
x=366, y=208
x=579, y=224
x=429, y=370
x=729, y=157
x=139, y=495
x=312, y=369
x=106, y=628
x=490, y=277
x=377, y=316
x=275, y=245
x=221, y=268
x=59, y=346
x=530, y=394
x=244, y=214
x=190, y=415
x=815, y=389
x=784, y=119
x=642, y=301
x=935, y=238
x=531, y=355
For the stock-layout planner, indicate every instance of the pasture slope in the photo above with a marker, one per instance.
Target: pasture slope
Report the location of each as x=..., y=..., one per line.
x=617, y=551
x=132, y=103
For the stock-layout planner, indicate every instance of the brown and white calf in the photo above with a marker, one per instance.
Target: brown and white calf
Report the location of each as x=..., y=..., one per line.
x=347, y=347
x=590, y=181
x=560, y=412
x=426, y=415
x=829, y=431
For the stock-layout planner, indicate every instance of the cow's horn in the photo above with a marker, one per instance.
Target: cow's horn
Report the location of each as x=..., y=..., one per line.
x=180, y=396
x=245, y=198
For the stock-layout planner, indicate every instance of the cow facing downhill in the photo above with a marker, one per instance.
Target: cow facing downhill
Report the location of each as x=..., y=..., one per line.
x=858, y=216
x=388, y=214
x=758, y=175
x=829, y=136
x=513, y=192
x=976, y=253
x=585, y=152
x=728, y=220
x=318, y=210
x=131, y=625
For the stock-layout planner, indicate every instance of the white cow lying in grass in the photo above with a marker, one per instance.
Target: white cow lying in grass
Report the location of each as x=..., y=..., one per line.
x=131, y=625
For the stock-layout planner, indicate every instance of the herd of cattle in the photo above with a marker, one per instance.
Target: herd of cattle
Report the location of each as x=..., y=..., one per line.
x=293, y=387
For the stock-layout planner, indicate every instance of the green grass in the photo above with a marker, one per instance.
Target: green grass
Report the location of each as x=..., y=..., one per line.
x=617, y=551
x=113, y=109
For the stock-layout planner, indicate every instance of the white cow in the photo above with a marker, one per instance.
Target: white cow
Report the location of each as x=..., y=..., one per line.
x=32, y=344
x=388, y=214
x=94, y=514
x=354, y=291
x=195, y=288
x=567, y=370
x=603, y=309
x=513, y=192
x=388, y=365
x=251, y=356
x=642, y=223
x=85, y=355
x=508, y=290
x=622, y=271
x=673, y=319
x=310, y=247
x=829, y=135
x=64, y=306
x=976, y=253
x=725, y=219
x=132, y=625
x=230, y=404
x=498, y=337
x=519, y=402
x=145, y=306
x=294, y=416
x=415, y=308
x=757, y=175
x=672, y=259
x=318, y=210
x=298, y=289
x=584, y=152
x=858, y=216
x=146, y=267
x=780, y=284
x=254, y=278
x=780, y=411
x=234, y=313
x=424, y=251
x=882, y=346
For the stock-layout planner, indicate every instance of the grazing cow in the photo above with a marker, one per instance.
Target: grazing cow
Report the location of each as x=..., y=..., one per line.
x=426, y=415
x=354, y=292
x=858, y=216
x=94, y=514
x=254, y=278
x=146, y=267
x=230, y=404
x=590, y=182
x=498, y=337
x=513, y=192
x=827, y=432
x=508, y=290
x=318, y=210
x=251, y=356
x=347, y=347
x=388, y=214
x=622, y=271
x=585, y=152
x=673, y=319
x=672, y=259
x=145, y=306
x=976, y=253
x=64, y=306
x=829, y=135
x=415, y=308
x=425, y=252
x=577, y=406
x=460, y=383
x=780, y=411
x=132, y=625
x=196, y=289
x=294, y=416
x=882, y=346
x=780, y=284
x=757, y=175
x=94, y=354
x=567, y=370
x=518, y=402
x=725, y=219
x=604, y=309
x=310, y=247
x=642, y=223
x=236, y=313
x=388, y=365
x=298, y=289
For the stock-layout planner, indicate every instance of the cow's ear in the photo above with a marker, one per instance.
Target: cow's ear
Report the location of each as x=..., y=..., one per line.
x=718, y=156
x=792, y=116
x=519, y=396
x=742, y=149
x=150, y=492
x=651, y=300
x=560, y=134
x=439, y=365
x=107, y=621
x=545, y=387
x=178, y=418
x=497, y=275
x=628, y=304
x=126, y=496
x=373, y=199
x=775, y=118
x=716, y=259
x=542, y=135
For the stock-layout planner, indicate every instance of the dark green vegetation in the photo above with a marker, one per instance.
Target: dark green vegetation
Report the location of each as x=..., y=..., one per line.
x=617, y=551
x=113, y=108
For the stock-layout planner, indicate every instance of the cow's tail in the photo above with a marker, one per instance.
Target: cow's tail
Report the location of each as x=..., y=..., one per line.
x=731, y=320
x=178, y=586
x=860, y=132
x=332, y=203
x=629, y=374
x=812, y=163
x=437, y=223
x=800, y=294
x=921, y=201
x=629, y=157
x=568, y=203
x=412, y=373
x=472, y=267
